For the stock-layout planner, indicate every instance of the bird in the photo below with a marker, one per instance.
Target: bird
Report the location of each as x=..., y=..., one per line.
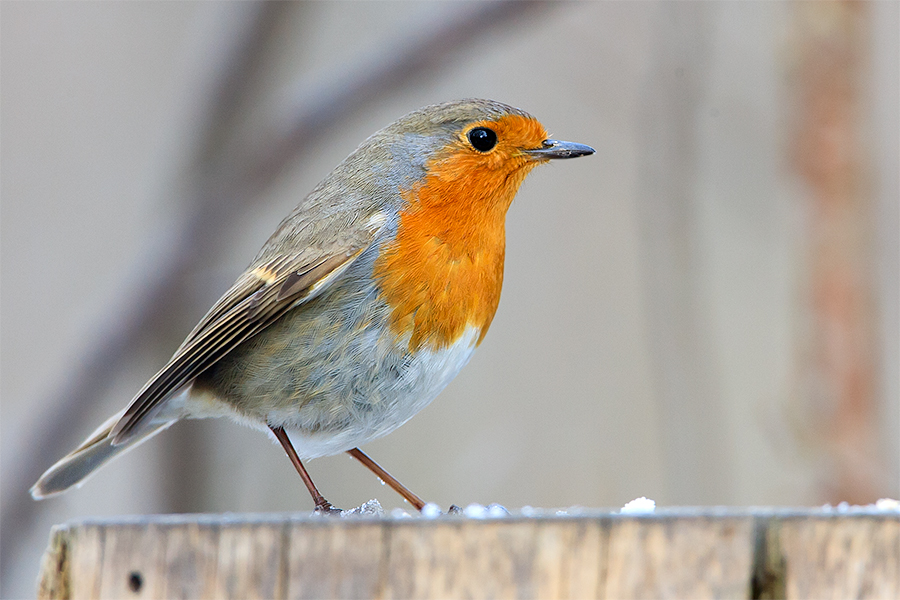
x=365, y=302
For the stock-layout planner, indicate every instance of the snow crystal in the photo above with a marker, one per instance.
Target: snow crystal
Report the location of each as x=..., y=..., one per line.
x=372, y=508
x=431, y=511
x=883, y=504
x=888, y=504
x=638, y=506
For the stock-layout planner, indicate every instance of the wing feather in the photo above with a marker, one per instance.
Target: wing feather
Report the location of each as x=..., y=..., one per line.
x=256, y=300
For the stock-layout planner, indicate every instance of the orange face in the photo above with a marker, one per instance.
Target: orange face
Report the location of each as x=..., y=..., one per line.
x=444, y=270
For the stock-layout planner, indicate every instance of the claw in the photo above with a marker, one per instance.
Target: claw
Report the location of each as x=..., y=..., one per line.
x=325, y=508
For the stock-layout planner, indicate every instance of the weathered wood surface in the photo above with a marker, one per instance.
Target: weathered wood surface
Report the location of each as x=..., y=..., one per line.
x=685, y=553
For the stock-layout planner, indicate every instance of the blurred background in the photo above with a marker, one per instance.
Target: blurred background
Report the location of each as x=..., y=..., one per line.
x=705, y=312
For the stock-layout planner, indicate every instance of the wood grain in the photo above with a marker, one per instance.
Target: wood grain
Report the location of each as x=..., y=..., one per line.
x=680, y=557
x=841, y=557
x=332, y=558
x=684, y=553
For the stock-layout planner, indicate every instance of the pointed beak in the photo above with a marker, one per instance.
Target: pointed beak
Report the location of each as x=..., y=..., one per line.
x=558, y=149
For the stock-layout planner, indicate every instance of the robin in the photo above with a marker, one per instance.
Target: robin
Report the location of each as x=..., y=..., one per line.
x=362, y=306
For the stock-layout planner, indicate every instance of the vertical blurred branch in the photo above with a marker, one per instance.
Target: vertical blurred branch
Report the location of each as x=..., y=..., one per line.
x=695, y=461
x=829, y=51
x=161, y=291
x=884, y=144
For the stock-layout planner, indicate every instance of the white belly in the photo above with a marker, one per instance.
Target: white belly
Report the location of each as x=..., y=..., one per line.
x=427, y=375
x=327, y=428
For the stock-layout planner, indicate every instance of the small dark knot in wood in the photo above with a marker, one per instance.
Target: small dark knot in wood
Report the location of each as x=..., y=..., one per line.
x=135, y=581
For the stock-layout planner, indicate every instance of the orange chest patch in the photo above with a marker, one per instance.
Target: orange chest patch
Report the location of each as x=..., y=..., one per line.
x=444, y=270
x=437, y=288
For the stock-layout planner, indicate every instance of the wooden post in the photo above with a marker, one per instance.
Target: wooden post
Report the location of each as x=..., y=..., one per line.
x=683, y=553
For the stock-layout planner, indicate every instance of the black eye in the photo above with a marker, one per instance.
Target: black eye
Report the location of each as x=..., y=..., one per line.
x=482, y=139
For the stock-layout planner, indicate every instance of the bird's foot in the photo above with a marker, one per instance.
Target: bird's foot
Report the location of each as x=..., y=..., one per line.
x=325, y=508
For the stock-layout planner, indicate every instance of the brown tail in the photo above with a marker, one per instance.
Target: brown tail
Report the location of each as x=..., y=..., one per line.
x=92, y=454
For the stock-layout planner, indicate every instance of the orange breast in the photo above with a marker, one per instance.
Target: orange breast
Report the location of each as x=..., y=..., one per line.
x=444, y=270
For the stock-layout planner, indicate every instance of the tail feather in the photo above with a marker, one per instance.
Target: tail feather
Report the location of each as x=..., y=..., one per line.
x=73, y=469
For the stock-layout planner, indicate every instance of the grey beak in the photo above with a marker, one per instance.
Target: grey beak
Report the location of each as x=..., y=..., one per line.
x=558, y=149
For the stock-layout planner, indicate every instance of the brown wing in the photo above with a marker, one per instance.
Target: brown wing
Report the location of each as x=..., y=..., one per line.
x=256, y=300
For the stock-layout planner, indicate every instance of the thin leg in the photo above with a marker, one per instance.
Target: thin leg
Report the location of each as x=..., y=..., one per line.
x=322, y=505
x=387, y=478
